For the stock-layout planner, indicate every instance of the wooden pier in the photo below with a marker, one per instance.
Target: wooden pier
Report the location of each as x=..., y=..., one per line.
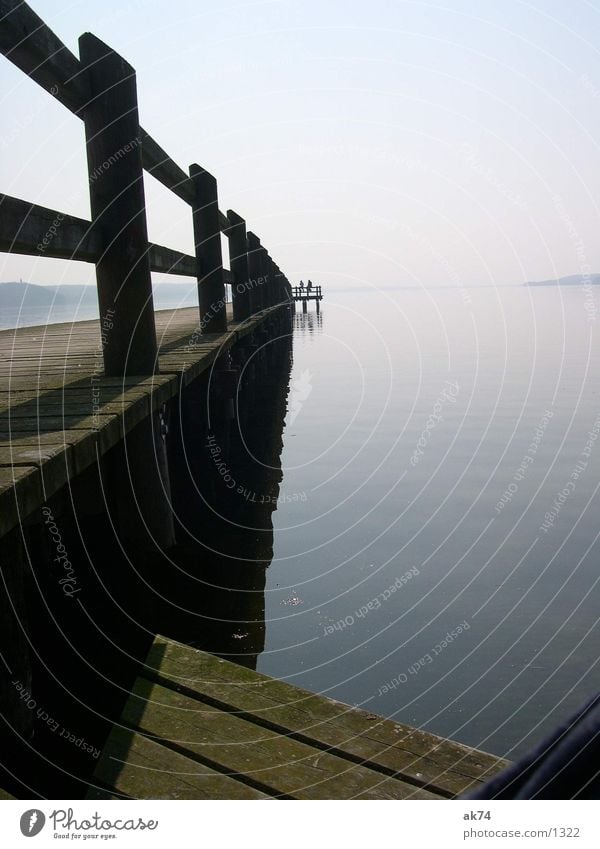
x=100, y=430
x=69, y=393
x=304, y=295
x=60, y=413
x=199, y=727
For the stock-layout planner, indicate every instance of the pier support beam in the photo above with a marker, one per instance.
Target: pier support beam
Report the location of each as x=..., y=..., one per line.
x=141, y=489
x=238, y=262
x=255, y=272
x=207, y=237
x=118, y=210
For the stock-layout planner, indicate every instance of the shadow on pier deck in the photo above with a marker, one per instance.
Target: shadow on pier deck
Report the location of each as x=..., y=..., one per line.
x=59, y=412
x=200, y=727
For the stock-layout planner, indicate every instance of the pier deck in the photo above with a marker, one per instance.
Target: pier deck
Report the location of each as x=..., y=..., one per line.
x=200, y=727
x=59, y=413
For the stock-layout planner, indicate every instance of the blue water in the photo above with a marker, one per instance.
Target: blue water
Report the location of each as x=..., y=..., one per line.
x=436, y=534
x=429, y=437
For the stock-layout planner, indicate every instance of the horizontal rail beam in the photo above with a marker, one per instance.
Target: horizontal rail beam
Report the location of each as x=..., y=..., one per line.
x=37, y=231
x=32, y=46
x=161, y=166
x=169, y=261
x=33, y=230
x=36, y=50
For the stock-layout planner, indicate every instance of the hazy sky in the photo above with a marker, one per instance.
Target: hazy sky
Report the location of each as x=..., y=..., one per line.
x=382, y=142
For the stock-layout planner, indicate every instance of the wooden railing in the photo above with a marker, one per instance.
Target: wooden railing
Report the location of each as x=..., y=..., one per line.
x=100, y=88
x=301, y=293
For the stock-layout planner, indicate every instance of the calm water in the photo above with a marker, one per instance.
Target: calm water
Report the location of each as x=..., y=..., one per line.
x=86, y=308
x=417, y=529
x=447, y=509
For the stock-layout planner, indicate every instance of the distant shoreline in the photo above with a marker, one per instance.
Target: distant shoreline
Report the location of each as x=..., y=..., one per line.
x=572, y=280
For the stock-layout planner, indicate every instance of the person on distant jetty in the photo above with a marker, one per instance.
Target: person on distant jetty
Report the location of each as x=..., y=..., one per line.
x=309, y=287
x=301, y=285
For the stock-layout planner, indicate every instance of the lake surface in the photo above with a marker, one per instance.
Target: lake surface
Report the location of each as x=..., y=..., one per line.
x=417, y=533
x=436, y=534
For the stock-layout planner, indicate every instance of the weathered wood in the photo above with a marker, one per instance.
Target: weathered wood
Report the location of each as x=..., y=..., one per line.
x=118, y=209
x=277, y=283
x=266, y=272
x=32, y=46
x=238, y=260
x=258, y=295
x=445, y=767
x=38, y=231
x=20, y=494
x=168, y=261
x=59, y=412
x=36, y=50
x=272, y=762
x=207, y=238
x=161, y=166
x=139, y=768
x=141, y=490
x=207, y=725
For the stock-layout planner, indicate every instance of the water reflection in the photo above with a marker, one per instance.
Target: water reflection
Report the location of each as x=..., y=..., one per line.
x=308, y=322
x=217, y=600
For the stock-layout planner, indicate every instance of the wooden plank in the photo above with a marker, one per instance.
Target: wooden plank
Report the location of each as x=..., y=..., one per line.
x=446, y=766
x=75, y=416
x=20, y=494
x=161, y=166
x=32, y=46
x=53, y=461
x=35, y=230
x=118, y=210
x=31, y=399
x=140, y=768
x=272, y=762
x=37, y=51
x=38, y=231
x=169, y=261
x=58, y=413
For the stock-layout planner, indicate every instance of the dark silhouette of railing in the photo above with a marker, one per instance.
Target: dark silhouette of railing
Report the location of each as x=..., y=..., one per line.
x=100, y=89
x=306, y=294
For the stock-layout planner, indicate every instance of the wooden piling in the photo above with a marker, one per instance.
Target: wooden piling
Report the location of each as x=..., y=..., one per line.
x=118, y=209
x=255, y=272
x=207, y=238
x=238, y=263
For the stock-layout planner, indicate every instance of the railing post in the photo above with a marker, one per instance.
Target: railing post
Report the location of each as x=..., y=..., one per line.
x=207, y=237
x=238, y=262
x=273, y=281
x=255, y=271
x=266, y=270
x=280, y=287
x=118, y=210
x=265, y=262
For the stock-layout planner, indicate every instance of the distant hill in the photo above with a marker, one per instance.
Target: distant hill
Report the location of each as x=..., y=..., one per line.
x=24, y=296
x=572, y=280
x=15, y=295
